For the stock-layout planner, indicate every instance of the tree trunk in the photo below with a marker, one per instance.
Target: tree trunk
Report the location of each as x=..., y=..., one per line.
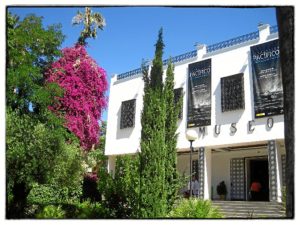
x=285, y=20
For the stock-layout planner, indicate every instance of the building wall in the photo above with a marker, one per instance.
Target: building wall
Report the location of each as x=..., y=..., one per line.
x=225, y=62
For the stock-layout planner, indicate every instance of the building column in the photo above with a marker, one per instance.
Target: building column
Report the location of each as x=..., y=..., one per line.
x=111, y=164
x=275, y=169
x=207, y=174
x=204, y=173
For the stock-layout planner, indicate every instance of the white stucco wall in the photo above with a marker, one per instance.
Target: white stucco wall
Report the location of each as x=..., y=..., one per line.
x=225, y=62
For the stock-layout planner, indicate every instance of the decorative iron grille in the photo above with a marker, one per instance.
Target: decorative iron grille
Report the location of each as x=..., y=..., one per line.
x=127, y=114
x=175, y=59
x=237, y=179
x=201, y=172
x=233, y=41
x=182, y=57
x=272, y=149
x=232, y=92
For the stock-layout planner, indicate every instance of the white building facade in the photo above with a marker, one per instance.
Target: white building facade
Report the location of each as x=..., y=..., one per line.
x=236, y=147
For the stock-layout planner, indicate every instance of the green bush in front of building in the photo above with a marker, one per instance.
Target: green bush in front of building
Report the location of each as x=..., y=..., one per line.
x=194, y=208
x=51, y=212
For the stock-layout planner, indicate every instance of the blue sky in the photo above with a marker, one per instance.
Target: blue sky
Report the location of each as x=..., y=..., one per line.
x=131, y=32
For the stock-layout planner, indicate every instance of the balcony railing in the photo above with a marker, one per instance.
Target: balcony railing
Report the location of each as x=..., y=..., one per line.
x=175, y=59
x=130, y=73
x=232, y=42
x=181, y=57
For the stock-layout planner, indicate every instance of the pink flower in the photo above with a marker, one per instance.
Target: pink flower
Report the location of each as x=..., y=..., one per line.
x=84, y=85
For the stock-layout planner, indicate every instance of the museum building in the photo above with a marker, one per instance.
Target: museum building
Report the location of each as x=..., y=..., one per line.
x=232, y=102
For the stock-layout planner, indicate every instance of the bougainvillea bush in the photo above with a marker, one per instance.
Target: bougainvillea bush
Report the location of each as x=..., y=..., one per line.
x=84, y=84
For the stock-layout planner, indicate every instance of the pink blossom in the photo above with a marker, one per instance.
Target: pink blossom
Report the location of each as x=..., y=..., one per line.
x=84, y=84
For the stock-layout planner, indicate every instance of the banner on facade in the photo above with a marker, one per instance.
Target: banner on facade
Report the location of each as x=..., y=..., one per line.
x=267, y=79
x=199, y=94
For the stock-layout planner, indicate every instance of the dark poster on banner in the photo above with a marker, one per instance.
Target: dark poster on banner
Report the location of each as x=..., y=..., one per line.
x=199, y=94
x=267, y=80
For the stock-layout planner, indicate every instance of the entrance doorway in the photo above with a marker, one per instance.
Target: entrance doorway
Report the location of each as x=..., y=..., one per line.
x=258, y=170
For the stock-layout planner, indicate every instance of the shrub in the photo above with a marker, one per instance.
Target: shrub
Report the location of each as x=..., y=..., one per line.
x=51, y=194
x=194, y=208
x=51, y=212
x=121, y=190
x=89, y=210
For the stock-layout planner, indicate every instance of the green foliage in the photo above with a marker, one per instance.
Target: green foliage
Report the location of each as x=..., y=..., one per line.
x=152, y=156
x=159, y=178
x=51, y=194
x=31, y=143
x=152, y=197
x=172, y=111
x=37, y=153
x=157, y=68
x=121, y=192
x=194, y=208
x=51, y=212
x=89, y=210
x=31, y=147
x=284, y=197
x=43, y=194
x=40, y=163
x=31, y=48
x=43, y=159
x=66, y=173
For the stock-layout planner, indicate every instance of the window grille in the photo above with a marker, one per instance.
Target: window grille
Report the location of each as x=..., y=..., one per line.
x=127, y=114
x=232, y=92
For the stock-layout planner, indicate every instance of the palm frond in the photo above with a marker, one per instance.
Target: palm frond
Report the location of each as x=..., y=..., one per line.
x=78, y=18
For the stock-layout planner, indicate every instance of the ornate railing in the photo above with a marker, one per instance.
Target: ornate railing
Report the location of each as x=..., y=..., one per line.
x=233, y=41
x=273, y=29
x=130, y=73
x=181, y=57
x=175, y=59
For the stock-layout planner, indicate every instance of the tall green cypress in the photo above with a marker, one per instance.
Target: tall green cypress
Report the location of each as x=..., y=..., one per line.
x=156, y=74
x=172, y=111
x=152, y=199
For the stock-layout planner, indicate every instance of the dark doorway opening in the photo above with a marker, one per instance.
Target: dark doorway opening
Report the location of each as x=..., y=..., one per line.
x=259, y=172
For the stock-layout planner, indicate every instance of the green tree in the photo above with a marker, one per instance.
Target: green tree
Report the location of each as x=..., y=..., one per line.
x=172, y=111
x=31, y=48
x=41, y=155
x=39, y=160
x=91, y=22
x=152, y=199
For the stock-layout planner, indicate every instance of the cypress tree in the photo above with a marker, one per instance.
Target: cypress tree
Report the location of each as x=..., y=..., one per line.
x=152, y=199
x=156, y=74
x=172, y=111
x=158, y=157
